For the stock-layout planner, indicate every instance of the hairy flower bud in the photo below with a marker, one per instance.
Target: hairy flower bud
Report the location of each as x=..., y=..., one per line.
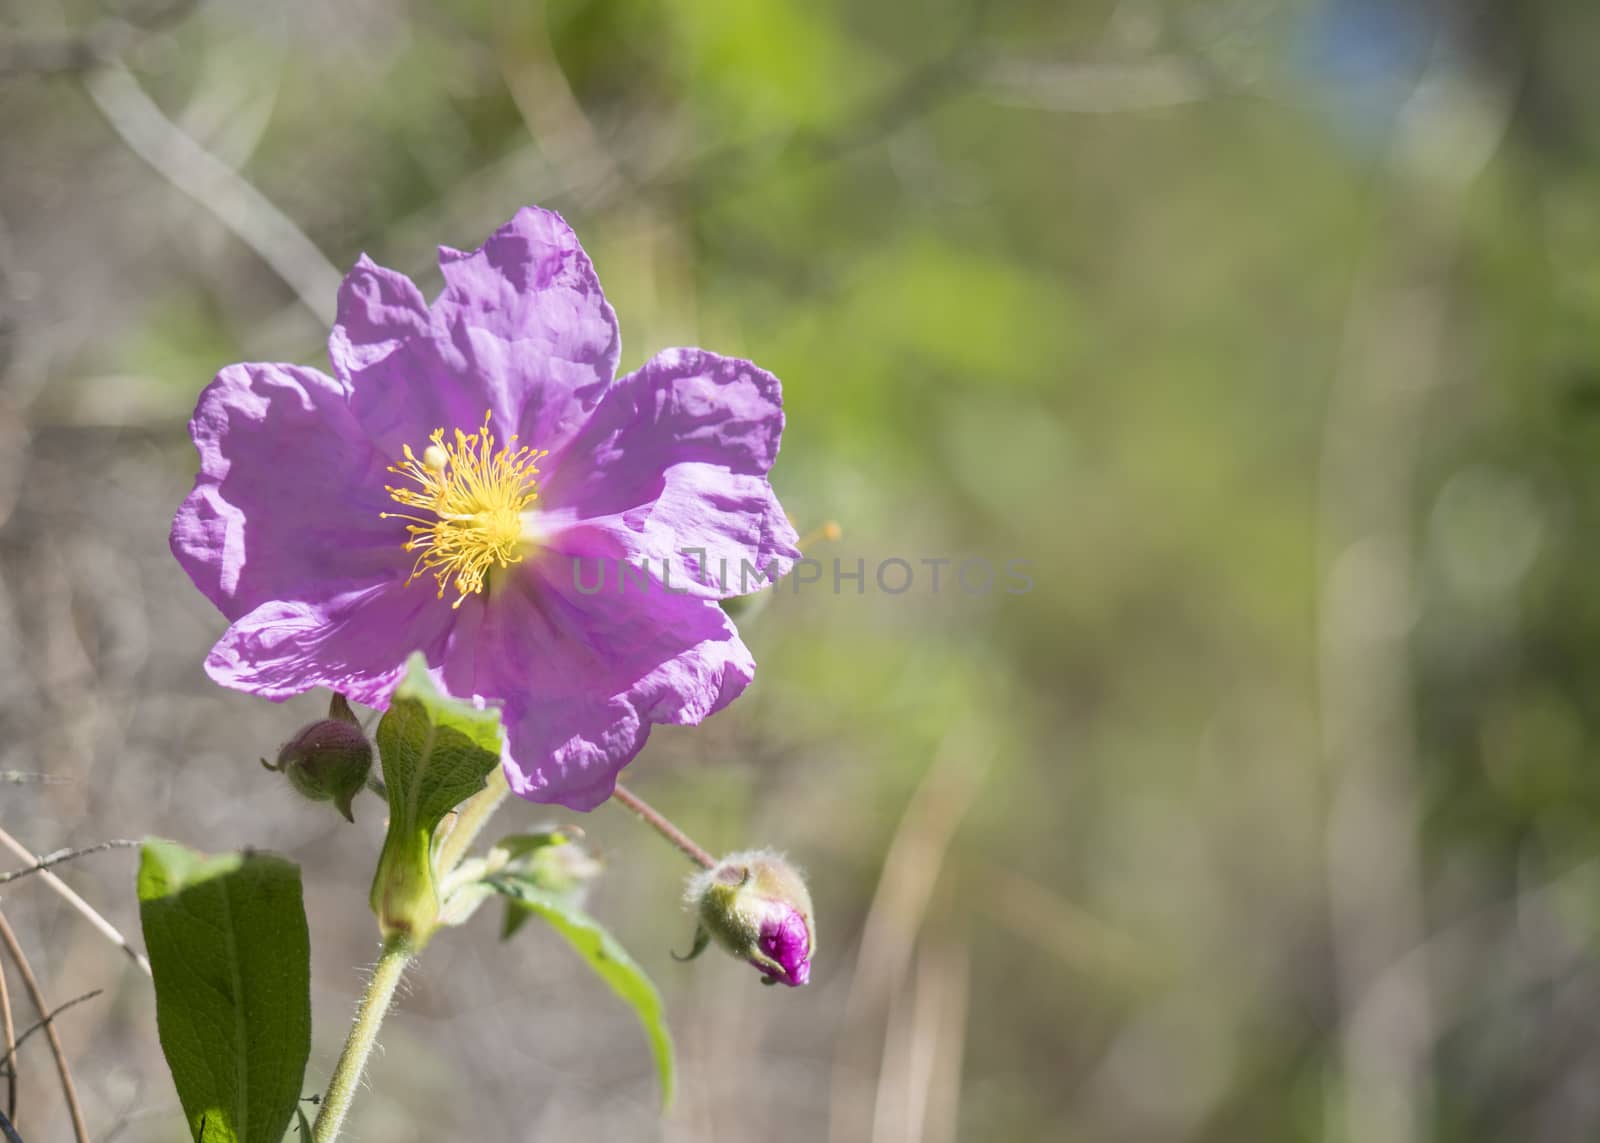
x=328, y=760
x=757, y=907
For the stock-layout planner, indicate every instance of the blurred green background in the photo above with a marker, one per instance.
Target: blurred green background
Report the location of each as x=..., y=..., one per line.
x=1264, y=331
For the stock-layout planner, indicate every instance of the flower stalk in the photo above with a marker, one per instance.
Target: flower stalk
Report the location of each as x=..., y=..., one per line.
x=358, y=1045
x=657, y=821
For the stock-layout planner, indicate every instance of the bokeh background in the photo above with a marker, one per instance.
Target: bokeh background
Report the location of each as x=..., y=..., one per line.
x=1264, y=331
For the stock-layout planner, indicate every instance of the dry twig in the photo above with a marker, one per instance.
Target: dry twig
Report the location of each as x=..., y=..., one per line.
x=62, y=855
x=10, y=1029
x=911, y=870
x=89, y=913
x=229, y=197
x=69, y=1090
x=45, y=1023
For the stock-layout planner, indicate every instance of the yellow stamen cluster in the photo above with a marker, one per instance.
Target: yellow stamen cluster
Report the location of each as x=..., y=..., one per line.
x=476, y=496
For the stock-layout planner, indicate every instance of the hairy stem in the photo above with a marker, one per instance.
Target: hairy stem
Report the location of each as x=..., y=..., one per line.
x=391, y=966
x=653, y=818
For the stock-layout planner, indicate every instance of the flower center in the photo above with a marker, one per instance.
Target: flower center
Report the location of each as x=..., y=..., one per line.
x=473, y=496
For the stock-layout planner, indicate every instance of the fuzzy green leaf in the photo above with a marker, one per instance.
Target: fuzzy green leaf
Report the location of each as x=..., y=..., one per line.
x=231, y=958
x=609, y=961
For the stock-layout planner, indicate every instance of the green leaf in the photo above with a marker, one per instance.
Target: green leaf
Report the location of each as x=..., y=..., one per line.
x=436, y=753
x=231, y=959
x=608, y=959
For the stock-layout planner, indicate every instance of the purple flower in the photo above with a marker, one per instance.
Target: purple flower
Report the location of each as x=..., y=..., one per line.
x=465, y=471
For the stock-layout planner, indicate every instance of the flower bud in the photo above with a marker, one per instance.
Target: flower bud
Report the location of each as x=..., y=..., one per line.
x=328, y=760
x=565, y=869
x=757, y=907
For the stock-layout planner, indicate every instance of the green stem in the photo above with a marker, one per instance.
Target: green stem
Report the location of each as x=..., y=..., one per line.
x=363, y=1036
x=473, y=815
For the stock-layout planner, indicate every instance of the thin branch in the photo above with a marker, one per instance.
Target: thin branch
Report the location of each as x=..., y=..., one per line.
x=25, y=777
x=10, y=1029
x=136, y=1115
x=911, y=871
x=658, y=822
x=217, y=187
x=538, y=87
x=7, y=1130
x=64, y=855
x=45, y=1023
x=103, y=926
x=69, y=1091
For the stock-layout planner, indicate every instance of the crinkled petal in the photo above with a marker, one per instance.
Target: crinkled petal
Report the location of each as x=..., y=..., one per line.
x=288, y=499
x=580, y=679
x=379, y=311
x=384, y=345
x=672, y=469
x=786, y=939
x=521, y=331
x=356, y=644
x=526, y=311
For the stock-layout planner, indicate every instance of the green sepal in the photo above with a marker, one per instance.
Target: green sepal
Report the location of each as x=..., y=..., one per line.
x=702, y=940
x=436, y=752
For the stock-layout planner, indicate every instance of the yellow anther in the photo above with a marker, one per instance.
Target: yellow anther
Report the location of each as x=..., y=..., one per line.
x=473, y=495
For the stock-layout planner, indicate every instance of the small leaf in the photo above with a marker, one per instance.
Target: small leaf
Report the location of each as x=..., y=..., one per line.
x=436, y=753
x=609, y=961
x=231, y=960
x=548, y=860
